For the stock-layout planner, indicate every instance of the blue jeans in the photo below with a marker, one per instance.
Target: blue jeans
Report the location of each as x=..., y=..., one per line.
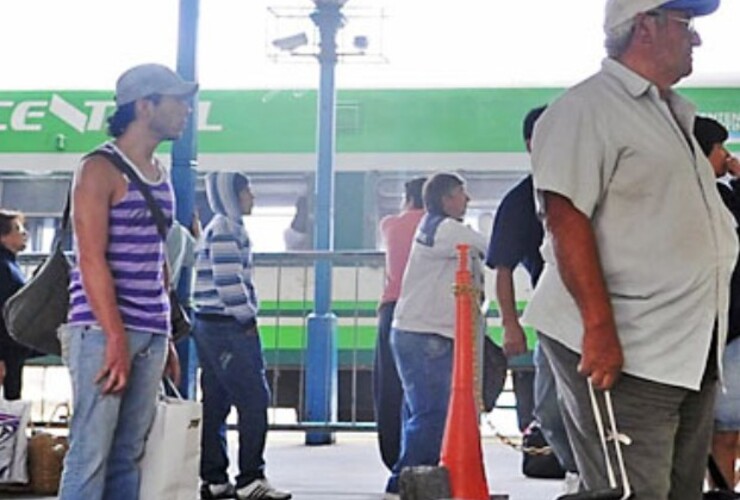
x=233, y=374
x=727, y=406
x=107, y=432
x=547, y=411
x=523, y=382
x=387, y=389
x=424, y=362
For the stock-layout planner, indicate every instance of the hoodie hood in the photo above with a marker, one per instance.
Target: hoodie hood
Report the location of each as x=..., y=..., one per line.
x=221, y=194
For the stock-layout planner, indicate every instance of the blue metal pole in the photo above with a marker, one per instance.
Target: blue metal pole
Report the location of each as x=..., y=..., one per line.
x=184, y=163
x=321, y=355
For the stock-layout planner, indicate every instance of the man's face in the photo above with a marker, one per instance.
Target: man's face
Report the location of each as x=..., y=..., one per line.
x=455, y=203
x=169, y=116
x=246, y=200
x=675, y=40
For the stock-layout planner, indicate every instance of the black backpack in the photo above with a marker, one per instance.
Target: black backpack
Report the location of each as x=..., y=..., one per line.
x=538, y=460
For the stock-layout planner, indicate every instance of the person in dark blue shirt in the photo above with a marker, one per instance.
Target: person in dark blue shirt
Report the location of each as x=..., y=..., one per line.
x=515, y=239
x=13, y=239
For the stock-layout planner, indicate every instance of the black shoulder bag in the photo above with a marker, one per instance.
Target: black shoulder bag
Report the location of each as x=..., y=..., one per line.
x=35, y=312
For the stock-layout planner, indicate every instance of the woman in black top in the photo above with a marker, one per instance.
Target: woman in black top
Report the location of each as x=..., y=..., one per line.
x=13, y=239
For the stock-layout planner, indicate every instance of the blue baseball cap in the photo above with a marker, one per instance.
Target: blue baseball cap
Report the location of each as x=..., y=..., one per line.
x=619, y=12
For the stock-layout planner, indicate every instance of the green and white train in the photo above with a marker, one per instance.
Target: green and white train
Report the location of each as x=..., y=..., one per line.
x=384, y=136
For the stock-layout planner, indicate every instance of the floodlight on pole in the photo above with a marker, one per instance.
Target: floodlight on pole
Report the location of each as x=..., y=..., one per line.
x=359, y=38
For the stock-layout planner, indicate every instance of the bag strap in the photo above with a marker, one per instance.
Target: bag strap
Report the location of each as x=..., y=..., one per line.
x=615, y=436
x=64, y=229
x=168, y=383
x=126, y=169
x=717, y=477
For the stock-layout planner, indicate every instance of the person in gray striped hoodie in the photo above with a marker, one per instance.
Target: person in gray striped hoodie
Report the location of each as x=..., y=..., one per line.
x=229, y=348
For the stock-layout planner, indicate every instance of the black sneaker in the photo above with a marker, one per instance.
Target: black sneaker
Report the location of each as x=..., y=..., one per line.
x=217, y=491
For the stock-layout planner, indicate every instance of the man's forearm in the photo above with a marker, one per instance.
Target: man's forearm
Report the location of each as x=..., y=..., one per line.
x=505, y=295
x=577, y=259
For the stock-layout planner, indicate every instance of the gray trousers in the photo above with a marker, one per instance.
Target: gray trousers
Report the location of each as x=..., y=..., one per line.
x=670, y=428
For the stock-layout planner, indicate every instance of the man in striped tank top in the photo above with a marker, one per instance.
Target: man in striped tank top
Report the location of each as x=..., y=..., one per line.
x=116, y=342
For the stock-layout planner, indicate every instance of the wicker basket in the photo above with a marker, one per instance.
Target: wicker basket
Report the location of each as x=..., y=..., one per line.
x=45, y=456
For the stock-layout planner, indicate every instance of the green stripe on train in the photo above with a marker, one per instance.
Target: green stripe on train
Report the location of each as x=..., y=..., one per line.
x=359, y=337
x=284, y=345
x=284, y=121
x=283, y=335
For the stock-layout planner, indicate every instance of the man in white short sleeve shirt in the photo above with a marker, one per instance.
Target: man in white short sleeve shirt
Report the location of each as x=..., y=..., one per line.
x=638, y=252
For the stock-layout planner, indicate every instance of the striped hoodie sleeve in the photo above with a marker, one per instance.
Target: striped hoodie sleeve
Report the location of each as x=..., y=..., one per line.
x=224, y=267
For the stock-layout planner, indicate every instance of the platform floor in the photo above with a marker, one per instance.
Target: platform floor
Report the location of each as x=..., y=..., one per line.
x=351, y=469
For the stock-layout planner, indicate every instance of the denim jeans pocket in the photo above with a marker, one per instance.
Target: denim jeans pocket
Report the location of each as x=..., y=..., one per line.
x=64, y=336
x=437, y=346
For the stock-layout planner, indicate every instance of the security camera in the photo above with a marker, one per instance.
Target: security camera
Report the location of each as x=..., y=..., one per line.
x=292, y=42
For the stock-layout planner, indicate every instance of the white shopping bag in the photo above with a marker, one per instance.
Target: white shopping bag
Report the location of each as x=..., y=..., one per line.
x=14, y=417
x=169, y=468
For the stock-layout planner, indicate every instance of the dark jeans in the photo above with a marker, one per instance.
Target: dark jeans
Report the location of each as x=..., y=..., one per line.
x=233, y=374
x=13, y=376
x=387, y=390
x=523, y=381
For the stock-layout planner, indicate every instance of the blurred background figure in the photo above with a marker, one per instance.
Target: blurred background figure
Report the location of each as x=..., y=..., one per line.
x=181, y=242
x=13, y=240
x=298, y=235
x=711, y=136
x=397, y=232
x=516, y=237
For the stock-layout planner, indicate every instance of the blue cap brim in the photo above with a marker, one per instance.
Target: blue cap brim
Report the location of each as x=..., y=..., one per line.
x=696, y=7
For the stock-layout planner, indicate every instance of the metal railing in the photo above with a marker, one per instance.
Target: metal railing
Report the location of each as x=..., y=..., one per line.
x=284, y=283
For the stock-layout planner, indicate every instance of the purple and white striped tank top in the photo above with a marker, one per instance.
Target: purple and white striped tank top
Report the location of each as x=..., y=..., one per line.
x=136, y=256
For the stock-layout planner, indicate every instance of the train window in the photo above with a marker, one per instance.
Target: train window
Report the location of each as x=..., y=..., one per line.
x=267, y=225
x=41, y=231
x=274, y=207
x=479, y=219
x=485, y=188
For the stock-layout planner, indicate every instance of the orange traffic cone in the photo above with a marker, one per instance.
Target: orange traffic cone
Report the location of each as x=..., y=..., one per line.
x=461, y=448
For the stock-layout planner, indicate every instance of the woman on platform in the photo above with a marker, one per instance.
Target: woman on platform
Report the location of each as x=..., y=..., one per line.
x=13, y=240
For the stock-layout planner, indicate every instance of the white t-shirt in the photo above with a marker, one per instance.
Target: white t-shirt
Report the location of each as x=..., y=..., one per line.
x=427, y=301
